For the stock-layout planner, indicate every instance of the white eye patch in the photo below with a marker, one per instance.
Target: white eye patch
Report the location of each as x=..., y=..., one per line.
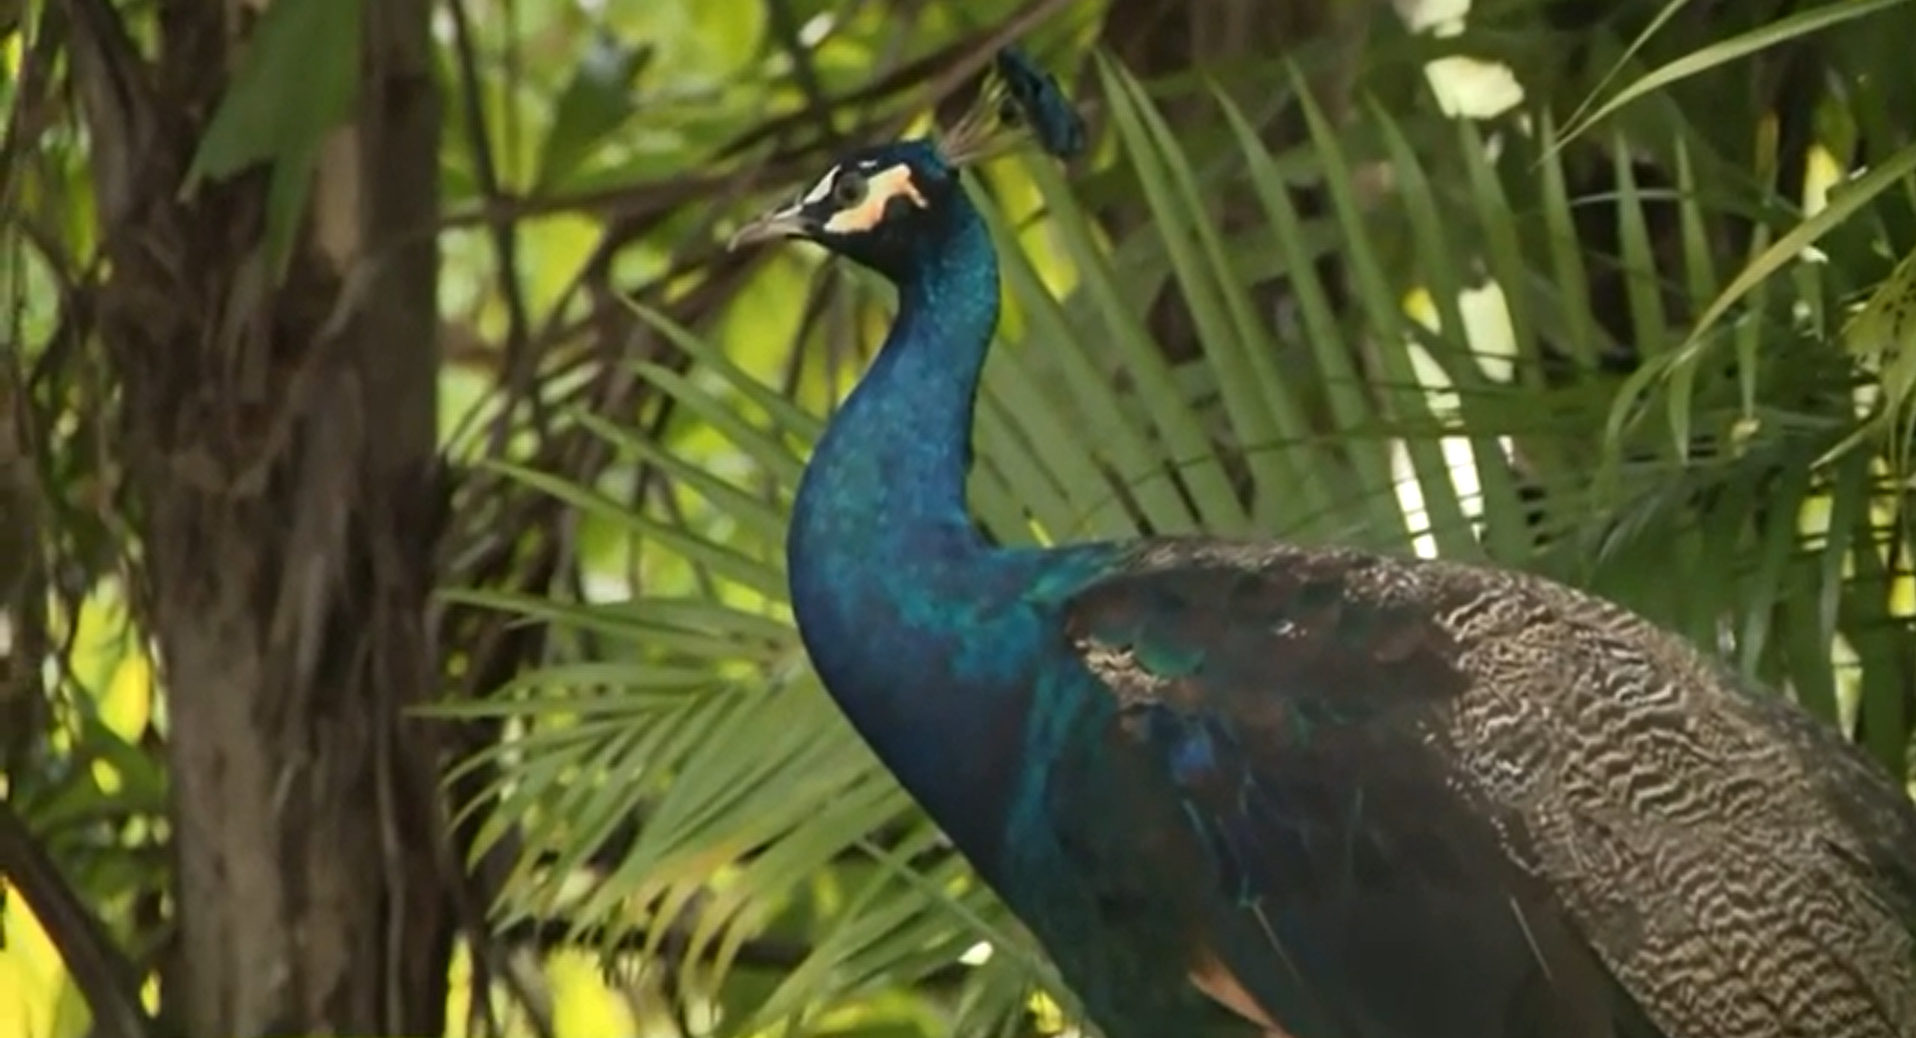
x=880, y=188
x=821, y=189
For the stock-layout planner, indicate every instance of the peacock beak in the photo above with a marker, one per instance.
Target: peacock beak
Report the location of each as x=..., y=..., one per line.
x=788, y=222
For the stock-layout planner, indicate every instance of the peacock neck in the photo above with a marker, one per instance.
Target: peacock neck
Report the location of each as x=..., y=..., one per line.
x=907, y=613
x=893, y=463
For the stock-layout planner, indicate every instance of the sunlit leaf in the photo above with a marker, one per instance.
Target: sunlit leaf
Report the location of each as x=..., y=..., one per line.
x=596, y=102
x=299, y=80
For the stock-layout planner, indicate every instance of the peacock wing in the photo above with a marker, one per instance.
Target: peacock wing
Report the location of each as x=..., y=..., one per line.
x=1435, y=800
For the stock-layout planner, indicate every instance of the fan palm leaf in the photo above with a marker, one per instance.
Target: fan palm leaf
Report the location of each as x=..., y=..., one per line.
x=1444, y=395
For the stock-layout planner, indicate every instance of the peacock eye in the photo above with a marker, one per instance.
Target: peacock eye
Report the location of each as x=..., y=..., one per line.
x=850, y=188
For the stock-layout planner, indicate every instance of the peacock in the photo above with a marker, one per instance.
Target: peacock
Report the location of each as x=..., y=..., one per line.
x=1257, y=789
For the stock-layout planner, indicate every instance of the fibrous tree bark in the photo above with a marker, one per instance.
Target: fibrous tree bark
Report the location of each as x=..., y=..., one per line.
x=277, y=436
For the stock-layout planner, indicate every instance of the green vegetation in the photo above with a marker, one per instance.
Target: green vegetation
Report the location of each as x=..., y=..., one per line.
x=482, y=556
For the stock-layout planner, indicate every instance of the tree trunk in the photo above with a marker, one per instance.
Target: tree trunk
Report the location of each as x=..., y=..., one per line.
x=279, y=447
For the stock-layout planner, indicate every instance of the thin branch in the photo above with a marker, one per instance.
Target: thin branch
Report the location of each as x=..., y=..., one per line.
x=105, y=976
x=946, y=69
x=121, y=115
x=786, y=29
x=33, y=112
x=519, y=365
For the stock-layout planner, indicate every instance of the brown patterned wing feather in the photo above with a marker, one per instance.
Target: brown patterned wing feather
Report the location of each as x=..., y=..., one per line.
x=1525, y=749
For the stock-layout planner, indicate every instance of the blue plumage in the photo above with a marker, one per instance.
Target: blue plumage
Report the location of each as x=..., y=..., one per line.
x=1035, y=100
x=1242, y=789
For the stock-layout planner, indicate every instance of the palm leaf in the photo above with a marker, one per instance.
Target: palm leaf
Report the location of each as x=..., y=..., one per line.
x=759, y=812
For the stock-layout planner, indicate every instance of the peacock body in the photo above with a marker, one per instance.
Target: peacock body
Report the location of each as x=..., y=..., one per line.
x=1242, y=789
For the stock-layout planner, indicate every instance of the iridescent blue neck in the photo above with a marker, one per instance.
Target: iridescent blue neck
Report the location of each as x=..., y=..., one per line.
x=892, y=466
x=911, y=619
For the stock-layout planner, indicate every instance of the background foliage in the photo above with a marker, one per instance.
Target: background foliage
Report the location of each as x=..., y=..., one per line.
x=1621, y=293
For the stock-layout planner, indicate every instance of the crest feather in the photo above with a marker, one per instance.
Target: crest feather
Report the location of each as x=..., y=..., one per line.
x=1018, y=102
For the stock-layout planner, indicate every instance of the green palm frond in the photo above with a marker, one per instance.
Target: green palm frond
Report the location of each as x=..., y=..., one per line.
x=1450, y=359
x=1796, y=27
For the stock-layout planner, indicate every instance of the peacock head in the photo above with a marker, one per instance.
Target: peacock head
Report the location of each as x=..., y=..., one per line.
x=881, y=207
x=889, y=207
